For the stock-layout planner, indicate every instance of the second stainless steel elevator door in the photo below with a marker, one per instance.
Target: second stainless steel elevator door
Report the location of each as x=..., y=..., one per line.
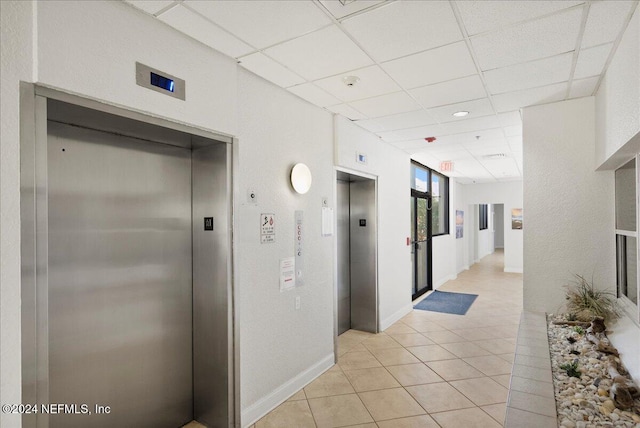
x=344, y=264
x=120, y=279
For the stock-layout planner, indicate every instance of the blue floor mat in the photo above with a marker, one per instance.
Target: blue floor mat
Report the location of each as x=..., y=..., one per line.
x=447, y=302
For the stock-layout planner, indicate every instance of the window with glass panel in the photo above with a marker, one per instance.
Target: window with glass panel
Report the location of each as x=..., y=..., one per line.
x=626, y=231
x=424, y=179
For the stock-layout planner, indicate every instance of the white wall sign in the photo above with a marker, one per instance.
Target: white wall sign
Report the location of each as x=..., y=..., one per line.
x=267, y=228
x=287, y=273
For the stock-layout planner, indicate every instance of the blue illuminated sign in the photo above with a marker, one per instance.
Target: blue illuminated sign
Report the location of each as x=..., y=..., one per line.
x=162, y=82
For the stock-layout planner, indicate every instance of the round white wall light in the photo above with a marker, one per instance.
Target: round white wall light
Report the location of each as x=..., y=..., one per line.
x=301, y=178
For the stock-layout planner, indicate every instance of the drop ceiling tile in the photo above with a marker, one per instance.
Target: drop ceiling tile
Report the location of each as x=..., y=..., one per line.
x=426, y=159
x=373, y=81
x=441, y=150
x=346, y=111
x=583, y=87
x=150, y=6
x=419, y=133
x=469, y=125
x=385, y=105
x=481, y=16
x=481, y=150
x=267, y=68
x=591, y=61
x=263, y=23
x=194, y=25
x=320, y=54
x=510, y=118
x=501, y=168
x=314, y=95
x=513, y=130
x=605, y=21
x=528, y=97
x=339, y=10
x=370, y=125
x=406, y=120
x=515, y=142
x=476, y=108
x=478, y=137
x=432, y=66
x=404, y=27
x=529, y=74
x=454, y=91
x=541, y=38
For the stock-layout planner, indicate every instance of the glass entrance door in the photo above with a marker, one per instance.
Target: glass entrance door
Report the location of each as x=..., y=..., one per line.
x=421, y=242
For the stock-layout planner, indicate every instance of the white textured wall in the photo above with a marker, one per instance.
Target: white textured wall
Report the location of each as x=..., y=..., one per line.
x=569, y=209
x=462, y=245
x=444, y=247
x=279, y=343
x=510, y=195
x=391, y=166
x=16, y=64
x=91, y=47
x=499, y=225
x=618, y=98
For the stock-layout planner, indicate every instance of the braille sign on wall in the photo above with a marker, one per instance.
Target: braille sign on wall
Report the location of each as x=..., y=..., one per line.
x=363, y=222
x=208, y=223
x=299, y=247
x=267, y=228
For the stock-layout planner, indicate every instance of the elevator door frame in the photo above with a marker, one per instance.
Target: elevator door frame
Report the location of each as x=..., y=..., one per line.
x=34, y=240
x=337, y=173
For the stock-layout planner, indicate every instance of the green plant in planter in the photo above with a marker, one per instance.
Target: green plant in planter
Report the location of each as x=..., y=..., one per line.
x=586, y=302
x=578, y=329
x=571, y=368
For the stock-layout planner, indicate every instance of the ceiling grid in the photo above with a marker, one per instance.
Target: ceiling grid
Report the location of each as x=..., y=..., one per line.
x=419, y=62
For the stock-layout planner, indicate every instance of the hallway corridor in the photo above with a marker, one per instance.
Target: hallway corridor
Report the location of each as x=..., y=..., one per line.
x=427, y=370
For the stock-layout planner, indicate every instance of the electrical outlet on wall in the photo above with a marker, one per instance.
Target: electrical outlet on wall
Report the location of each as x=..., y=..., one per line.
x=252, y=197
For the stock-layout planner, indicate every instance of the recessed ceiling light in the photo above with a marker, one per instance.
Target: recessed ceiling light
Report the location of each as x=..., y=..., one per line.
x=461, y=113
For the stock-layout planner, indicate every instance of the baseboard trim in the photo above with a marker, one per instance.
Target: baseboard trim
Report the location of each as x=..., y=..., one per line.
x=513, y=270
x=253, y=413
x=389, y=321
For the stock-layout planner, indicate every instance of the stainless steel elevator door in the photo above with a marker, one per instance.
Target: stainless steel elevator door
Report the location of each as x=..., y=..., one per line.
x=120, y=279
x=344, y=263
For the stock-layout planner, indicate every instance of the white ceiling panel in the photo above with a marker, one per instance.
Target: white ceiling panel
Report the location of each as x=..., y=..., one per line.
x=373, y=82
x=385, y=105
x=513, y=130
x=583, y=87
x=426, y=159
x=529, y=74
x=346, y=111
x=510, y=118
x=481, y=16
x=314, y=95
x=501, y=168
x=320, y=54
x=515, y=142
x=605, y=21
x=419, y=133
x=339, y=10
x=404, y=27
x=411, y=145
x=476, y=124
x=476, y=108
x=516, y=100
x=432, y=66
x=151, y=6
x=454, y=91
x=263, y=23
x=194, y=25
x=370, y=125
x=487, y=136
x=481, y=150
x=591, y=61
x=441, y=150
x=541, y=38
x=267, y=68
x=406, y=120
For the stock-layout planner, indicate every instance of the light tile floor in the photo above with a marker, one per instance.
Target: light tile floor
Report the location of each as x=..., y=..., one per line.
x=427, y=370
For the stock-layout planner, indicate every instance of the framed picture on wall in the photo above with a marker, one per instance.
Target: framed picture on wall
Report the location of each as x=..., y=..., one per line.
x=459, y=223
x=516, y=218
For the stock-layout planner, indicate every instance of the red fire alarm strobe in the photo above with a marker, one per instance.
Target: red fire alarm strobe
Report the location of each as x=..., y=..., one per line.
x=430, y=139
